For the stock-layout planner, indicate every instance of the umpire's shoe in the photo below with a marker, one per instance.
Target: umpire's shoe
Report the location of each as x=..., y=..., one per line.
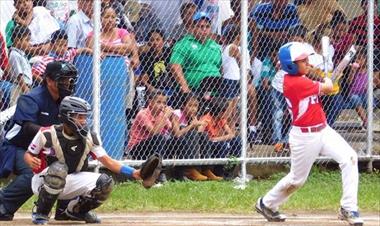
x=270, y=215
x=39, y=219
x=89, y=217
x=352, y=217
x=4, y=215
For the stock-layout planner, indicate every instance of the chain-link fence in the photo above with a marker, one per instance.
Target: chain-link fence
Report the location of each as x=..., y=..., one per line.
x=170, y=71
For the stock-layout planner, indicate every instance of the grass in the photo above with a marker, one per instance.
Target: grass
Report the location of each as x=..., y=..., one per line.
x=321, y=192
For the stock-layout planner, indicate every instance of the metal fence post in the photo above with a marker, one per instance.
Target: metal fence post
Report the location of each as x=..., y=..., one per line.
x=370, y=82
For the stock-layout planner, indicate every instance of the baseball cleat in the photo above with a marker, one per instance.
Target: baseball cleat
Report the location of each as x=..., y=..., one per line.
x=39, y=219
x=270, y=215
x=352, y=217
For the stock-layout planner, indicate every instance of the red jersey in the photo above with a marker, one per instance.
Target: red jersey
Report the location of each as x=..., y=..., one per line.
x=302, y=97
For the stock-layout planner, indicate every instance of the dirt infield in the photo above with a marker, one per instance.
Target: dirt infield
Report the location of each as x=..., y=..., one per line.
x=203, y=219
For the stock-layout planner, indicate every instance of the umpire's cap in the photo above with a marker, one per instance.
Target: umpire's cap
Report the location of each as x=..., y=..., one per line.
x=60, y=69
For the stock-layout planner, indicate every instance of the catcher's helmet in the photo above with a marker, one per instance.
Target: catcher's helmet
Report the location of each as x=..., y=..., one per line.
x=65, y=74
x=291, y=52
x=71, y=107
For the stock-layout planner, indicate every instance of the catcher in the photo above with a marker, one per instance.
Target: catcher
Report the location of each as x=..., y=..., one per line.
x=59, y=155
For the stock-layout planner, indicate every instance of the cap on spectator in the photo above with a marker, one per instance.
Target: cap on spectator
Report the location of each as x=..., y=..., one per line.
x=59, y=34
x=298, y=30
x=201, y=15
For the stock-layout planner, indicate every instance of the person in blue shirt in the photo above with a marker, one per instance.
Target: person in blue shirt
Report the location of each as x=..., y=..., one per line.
x=273, y=20
x=35, y=109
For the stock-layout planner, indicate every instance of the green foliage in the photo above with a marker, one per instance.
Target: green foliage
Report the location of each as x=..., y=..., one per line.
x=322, y=191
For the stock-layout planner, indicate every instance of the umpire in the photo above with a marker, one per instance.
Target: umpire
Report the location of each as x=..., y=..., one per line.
x=35, y=109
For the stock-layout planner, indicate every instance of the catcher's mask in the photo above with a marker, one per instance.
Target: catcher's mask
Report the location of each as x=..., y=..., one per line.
x=74, y=112
x=64, y=74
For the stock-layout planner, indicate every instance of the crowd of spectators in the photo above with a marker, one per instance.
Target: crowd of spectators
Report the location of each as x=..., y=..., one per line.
x=186, y=54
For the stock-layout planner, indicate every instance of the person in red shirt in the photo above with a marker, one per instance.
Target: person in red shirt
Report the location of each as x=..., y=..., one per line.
x=310, y=137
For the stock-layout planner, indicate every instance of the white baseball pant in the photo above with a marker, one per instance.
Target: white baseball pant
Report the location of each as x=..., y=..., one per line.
x=305, y=148
x=77, y=184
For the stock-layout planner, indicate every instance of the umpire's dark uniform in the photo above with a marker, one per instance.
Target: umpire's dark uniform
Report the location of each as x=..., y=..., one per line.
x=39, y=108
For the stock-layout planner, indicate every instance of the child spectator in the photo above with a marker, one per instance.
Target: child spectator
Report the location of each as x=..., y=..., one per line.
x=187, y=138
x=59, y=52
x=358, y=78
x=20, y=69
x=151, y=128
x=155, y=64
x=222, y=141
x=231, y=61
x=263, y=88
x=40, y=23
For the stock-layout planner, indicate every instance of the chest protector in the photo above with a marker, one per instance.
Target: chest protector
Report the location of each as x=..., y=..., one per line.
x=72, y=152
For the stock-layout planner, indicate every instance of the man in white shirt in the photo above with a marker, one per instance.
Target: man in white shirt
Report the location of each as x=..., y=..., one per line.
x=80, y=24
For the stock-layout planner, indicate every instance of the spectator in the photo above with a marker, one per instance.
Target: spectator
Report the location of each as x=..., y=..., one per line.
x=147, y=21
x=231, y=61
x=20, y=71
x=358, y=31
x=188, y=141
x=219, y=11
x=62, y=10
x=114, y=40
x=167, y=12
x=151, y=128
x=263, y=88
x=313, y=13
x=273, y=19
x=35, y=109
x=4, y=77
x=187, y=10
x=358, y=78
x=155, y=64
x=122, y=20
x=59, y=52
x=235, y=21
x=196, y=59
x=222, y=141
x=80, y=25
x=339, y=28
x=359, y=25
x=35, y=19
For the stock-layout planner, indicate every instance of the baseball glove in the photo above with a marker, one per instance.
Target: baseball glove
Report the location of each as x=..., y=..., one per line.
x=150, y=170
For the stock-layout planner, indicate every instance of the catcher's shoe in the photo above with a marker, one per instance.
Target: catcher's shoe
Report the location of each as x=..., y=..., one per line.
x=39, y=219
x=352, y=217
x=270, y=215
x=89, y=217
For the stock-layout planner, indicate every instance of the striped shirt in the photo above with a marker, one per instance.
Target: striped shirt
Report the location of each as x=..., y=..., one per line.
x=39, y=67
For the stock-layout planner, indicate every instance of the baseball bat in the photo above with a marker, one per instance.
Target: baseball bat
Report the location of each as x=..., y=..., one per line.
x=325, y=53
x=338, y=71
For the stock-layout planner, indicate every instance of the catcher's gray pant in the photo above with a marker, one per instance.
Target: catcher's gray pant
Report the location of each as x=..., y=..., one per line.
x=77, y=184
x=305, y=148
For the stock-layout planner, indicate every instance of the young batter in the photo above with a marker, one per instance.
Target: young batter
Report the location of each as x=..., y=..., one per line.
x=309, y=137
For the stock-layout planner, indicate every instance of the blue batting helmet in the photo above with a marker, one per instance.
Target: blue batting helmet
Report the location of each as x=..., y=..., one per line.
x=291, y=52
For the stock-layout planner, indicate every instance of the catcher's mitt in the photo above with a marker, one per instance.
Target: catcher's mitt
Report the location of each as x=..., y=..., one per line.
x=150, y=170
